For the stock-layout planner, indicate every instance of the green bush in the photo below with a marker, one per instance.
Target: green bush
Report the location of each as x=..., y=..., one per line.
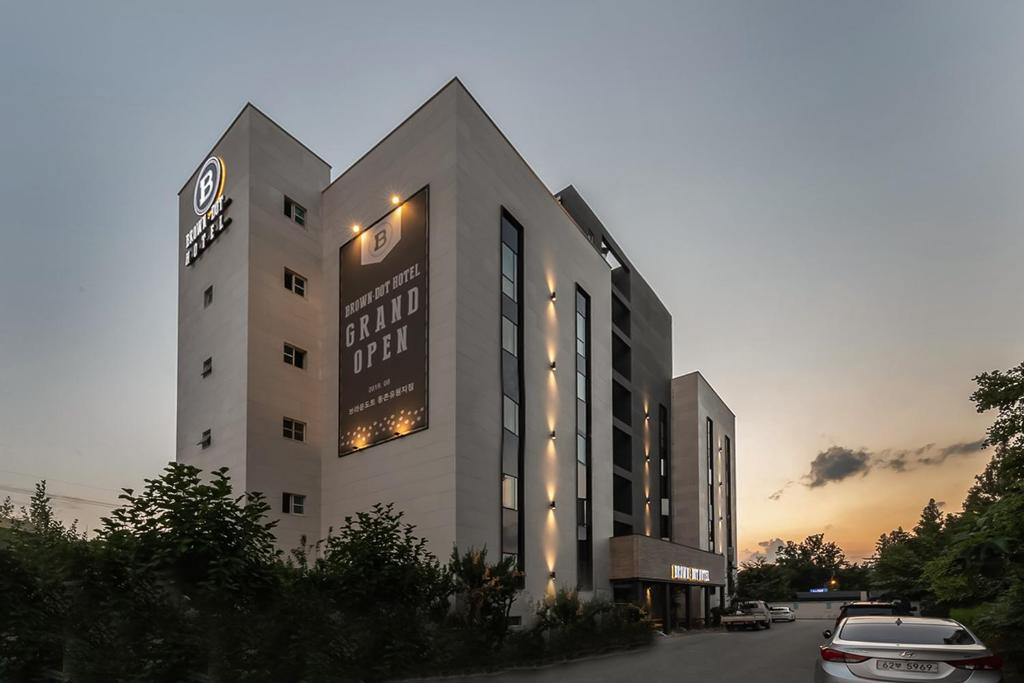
x=183, y=584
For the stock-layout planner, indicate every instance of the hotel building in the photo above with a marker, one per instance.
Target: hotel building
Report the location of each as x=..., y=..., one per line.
x=434, y=328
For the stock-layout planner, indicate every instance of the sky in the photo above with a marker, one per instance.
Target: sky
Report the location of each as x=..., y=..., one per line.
x=827, y=197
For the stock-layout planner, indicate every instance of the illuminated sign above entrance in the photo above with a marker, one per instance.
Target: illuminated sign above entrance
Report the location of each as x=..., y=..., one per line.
x=684, y=573
x=209, y=203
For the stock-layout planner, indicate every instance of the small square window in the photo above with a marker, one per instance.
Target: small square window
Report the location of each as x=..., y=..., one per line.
x=207, y=366
x=294, y=282
x=294, y=429
x=293, y=355
x=509, y=336
x=295, y=211
x=509, y=492
x=208, y=296
x=293, y=504
x=207, y=439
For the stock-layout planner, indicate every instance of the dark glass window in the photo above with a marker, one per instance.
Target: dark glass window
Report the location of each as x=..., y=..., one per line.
x=295, y=211
x=293, y=355
x=710, y=435
x=207, y=296
x=207, y=439
x=293, y=429
x=207, y=366
x=907, y=633
x=294, y=282
x=293, y=504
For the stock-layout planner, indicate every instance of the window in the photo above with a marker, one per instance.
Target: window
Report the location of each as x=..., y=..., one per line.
x=581, y=334
x=293, y=355
x=206, y=440
x=295, y=211
x=710, y=437
x=293, y=504
x=510, y=415
x=207, y=366
x=510, y=245
x=207, y=296
x=907, y=633
x=294, y=282
x=294, y=429
x=509, y=492
x=509, y=336
x=509, y=272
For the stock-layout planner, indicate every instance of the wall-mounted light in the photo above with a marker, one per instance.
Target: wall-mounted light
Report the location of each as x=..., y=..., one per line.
x=552, y=435
x=647, y=417
x=398, y=433
x=552, y=504
x=552, y=574
x=356, y=228
x=554, y=296
x=647, y=500
x=395, y=199
x=553, y=366
x=647, y=458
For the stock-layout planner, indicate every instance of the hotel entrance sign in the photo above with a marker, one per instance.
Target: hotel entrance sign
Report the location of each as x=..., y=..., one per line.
x=684, y=573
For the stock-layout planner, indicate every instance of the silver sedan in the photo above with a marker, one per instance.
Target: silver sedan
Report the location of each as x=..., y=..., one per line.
x=892, y=648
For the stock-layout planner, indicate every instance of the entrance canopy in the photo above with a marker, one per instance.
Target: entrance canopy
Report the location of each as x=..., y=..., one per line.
x=644, y=558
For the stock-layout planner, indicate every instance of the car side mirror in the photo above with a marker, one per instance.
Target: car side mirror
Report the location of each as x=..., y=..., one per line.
x=826, y=634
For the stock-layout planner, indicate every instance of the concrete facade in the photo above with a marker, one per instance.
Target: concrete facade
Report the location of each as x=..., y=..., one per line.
x=447, y=479
x=694, y=403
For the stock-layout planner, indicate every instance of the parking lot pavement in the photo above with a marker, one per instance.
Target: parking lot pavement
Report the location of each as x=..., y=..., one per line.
x=785, y=653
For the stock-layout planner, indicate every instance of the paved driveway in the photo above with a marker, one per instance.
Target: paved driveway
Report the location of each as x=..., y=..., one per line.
x=785, y=653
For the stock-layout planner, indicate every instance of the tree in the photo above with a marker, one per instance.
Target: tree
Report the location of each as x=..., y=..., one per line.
x=381, y=589
x=484, y=594
x=812, y=562
x=900, y=558
x=762, y=580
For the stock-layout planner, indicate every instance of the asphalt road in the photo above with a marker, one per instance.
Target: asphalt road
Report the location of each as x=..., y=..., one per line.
x=785, y=653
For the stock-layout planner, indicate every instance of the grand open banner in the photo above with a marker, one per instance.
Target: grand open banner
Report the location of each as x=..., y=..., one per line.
x=383, y=332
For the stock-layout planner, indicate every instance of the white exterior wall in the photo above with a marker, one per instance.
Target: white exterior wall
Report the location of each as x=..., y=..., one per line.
x=416, y=472
x=216, y=402
x=447, y=478
x=556, y=256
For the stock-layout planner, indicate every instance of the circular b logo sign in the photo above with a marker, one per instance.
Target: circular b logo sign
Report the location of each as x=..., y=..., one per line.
x=209, y=185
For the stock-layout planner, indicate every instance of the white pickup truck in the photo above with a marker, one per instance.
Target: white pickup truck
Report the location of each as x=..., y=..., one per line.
x=750, y=614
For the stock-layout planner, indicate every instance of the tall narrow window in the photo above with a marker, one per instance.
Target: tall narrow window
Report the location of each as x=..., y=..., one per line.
x=207, y=367
x=666, y=482
x=710, y=435
x=727, y=497
x=513, y=414
x=206, y=440
x=584, y=537
x=207, y=296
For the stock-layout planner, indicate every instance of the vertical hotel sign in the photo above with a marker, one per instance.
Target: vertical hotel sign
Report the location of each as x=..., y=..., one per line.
x=382, y=392
x=209, y=203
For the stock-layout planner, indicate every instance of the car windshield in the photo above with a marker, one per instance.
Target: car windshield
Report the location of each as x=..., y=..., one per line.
x=780, y=609
x=748, y=605
x=907, y=633
x=869, y=610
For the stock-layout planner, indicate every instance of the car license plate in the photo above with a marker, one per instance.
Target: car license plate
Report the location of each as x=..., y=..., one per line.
x=916, y=667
